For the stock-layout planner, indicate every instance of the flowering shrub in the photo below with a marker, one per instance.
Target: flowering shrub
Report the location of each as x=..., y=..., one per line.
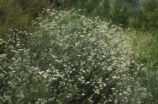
x=69, y=59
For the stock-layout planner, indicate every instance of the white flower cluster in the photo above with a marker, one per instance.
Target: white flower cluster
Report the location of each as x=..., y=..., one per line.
x=71, y=59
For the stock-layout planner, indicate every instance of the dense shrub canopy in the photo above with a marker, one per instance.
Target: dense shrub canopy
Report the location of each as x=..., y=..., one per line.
x=69, y=59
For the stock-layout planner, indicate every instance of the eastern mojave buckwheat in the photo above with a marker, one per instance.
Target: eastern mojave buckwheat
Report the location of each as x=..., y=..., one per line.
x=69, y=59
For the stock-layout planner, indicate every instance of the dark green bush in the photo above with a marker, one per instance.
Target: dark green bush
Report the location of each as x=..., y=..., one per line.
x=147, y=16
x=19, y=14
x=92, y=7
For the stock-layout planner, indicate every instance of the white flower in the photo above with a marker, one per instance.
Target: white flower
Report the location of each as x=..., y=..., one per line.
x=115, y=77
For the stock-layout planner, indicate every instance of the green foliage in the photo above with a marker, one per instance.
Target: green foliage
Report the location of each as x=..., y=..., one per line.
x=123, y=12
x=92, y=7
x=145, y=44
x=143, y=17
x=119, y=13
x=18, y=14
x=70, y=59
x=147, y=17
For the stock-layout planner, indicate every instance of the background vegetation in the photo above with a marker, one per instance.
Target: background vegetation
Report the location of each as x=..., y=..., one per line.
x=19, y=14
